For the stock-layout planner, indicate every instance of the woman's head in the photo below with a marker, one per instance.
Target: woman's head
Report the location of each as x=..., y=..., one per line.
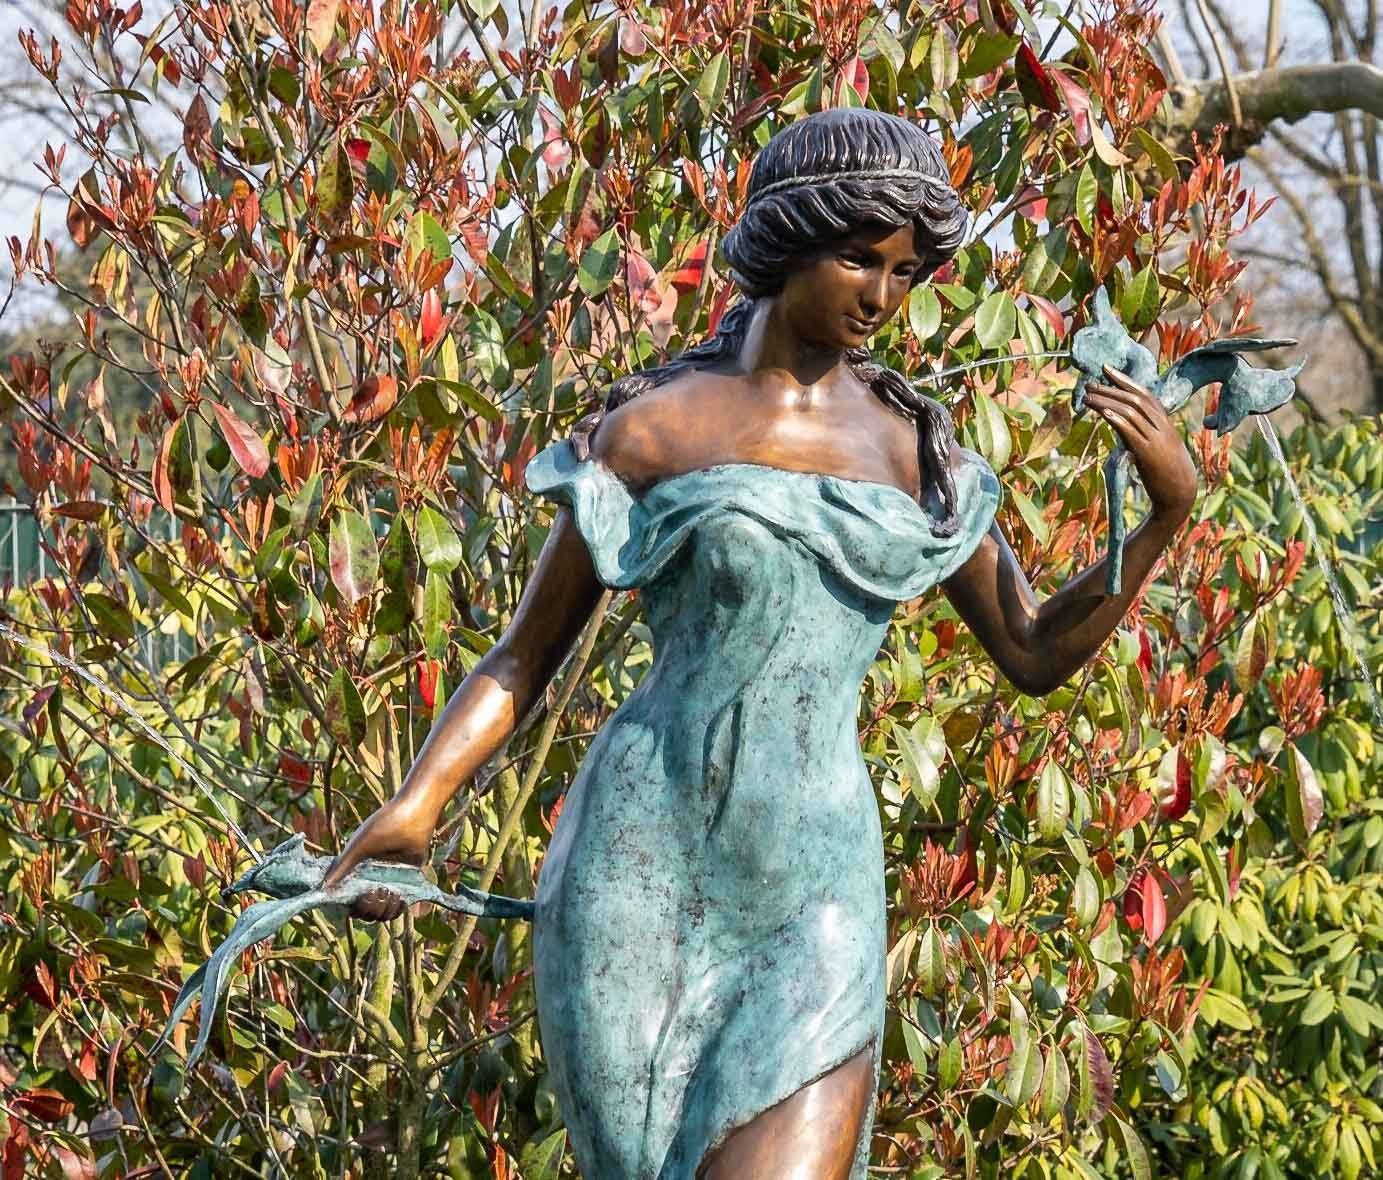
x=837, y=174
x=847, y=210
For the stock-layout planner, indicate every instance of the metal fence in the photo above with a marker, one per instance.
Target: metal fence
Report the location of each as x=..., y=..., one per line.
x=23, y=561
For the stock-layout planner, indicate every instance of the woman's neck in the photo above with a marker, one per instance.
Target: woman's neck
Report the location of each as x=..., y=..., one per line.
x=783, y=364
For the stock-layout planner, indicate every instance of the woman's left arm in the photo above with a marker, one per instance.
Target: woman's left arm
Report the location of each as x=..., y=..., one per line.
x=1037, y=645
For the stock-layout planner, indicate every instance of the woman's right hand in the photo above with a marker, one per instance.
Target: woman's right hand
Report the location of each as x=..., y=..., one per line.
x=399, y=831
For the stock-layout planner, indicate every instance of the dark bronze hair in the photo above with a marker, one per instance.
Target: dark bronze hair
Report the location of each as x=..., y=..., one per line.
x=818, y=180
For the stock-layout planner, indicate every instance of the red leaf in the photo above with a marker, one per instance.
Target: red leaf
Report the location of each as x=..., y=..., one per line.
x=247, y=447
x=194, y=868
x=1133, y=899
x=16, y=1148
x=1154, y=909
x=1077, y=102
x=856, y=74
x=718, y=307
x=80, y=224
x=688, y=276
x=556, y=150
x=81, y=509
x=1101, y=1076
x=276, y=1076
x=196, y=127
x=1177, y=801
x=1034, y=81
x=427, y=681
x=1144, y=654
x=49, y=1106
x=295, y=769
x=358, y=149
x=430, y=322
x=375, y=398
x=1049, y=312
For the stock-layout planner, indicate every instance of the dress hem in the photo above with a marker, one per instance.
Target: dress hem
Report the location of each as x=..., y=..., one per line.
x=871, y=1042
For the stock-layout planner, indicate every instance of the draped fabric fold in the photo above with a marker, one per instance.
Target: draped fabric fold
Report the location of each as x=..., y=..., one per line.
x=872, y=535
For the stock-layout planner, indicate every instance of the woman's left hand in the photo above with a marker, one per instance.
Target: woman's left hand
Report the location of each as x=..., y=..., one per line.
x=1164, y=464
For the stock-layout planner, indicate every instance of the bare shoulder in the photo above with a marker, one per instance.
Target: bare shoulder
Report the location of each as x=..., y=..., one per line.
x=637, y=441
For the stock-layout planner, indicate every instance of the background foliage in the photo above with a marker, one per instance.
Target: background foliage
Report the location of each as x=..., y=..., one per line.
x=1135, y=924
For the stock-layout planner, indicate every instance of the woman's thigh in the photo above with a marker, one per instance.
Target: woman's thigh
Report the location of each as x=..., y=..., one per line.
x=809, y=1136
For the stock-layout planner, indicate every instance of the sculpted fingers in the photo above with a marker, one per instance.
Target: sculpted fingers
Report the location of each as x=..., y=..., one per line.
x=1118, y=413
x=378, y=905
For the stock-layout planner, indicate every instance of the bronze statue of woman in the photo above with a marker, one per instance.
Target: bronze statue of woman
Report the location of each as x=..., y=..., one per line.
x=709, y=927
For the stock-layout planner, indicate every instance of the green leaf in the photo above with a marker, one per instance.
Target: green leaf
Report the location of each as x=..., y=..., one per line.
x=344, y=710
x=922, y=750
x=1053, y=801
x=1141, y=299
x=438, y=545
x=1056, y=1085
x=924, y=312
x=397, y=563
x=1305, y=802
x=1087, y=193
x=111, y=615
x=437, y=609
x=335, y=184
x=986, y=52
x=1135, y=1151
x=712, y=85
x=542, y=1159
x=1318, y=1007
x=1359, y=1014
x=306, y=506
x=426, y=235
x=270, y=552
x=1162, y=159
x=943, y=59
x=1043, y=265
x=992, y=434
x=1024, y=1074
x=949, y=1065
x=353, y=556
x=996, y=320
x=1031, y=514
x=1085, y=897
x=599, y=263
x=931, y=961
x=487, y=348
x=1169, y=1074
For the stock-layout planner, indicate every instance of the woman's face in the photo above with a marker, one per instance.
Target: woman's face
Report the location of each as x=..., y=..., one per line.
x=845, y=293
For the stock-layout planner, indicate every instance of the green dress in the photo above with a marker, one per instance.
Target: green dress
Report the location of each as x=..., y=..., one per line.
x=709, y=933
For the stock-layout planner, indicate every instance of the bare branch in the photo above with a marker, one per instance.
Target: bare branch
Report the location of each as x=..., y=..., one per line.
x=1271, y=45
x=1287, y=95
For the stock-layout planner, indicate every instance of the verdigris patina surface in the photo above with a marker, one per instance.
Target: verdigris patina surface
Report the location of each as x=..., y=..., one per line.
x=717, y=878
x=293, y=877
x=1244, y=390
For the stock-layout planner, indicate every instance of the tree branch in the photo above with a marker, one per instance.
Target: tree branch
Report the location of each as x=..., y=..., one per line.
x=1269, y=96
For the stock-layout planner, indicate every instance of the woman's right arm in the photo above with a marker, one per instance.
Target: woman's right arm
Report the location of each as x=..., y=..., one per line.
x=484, y=710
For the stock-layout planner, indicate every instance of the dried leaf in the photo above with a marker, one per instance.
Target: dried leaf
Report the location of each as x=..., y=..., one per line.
x=321, y=23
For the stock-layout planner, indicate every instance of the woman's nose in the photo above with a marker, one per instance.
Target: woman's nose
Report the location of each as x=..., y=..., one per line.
x=874, y=295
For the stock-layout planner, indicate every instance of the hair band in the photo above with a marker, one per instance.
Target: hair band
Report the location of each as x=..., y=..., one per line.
x=864, y=174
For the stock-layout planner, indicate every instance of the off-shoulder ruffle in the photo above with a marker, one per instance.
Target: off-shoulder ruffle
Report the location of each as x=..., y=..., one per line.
x=873, y=536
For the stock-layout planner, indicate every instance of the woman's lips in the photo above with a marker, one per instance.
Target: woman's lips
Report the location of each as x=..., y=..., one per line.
x=860, y=325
